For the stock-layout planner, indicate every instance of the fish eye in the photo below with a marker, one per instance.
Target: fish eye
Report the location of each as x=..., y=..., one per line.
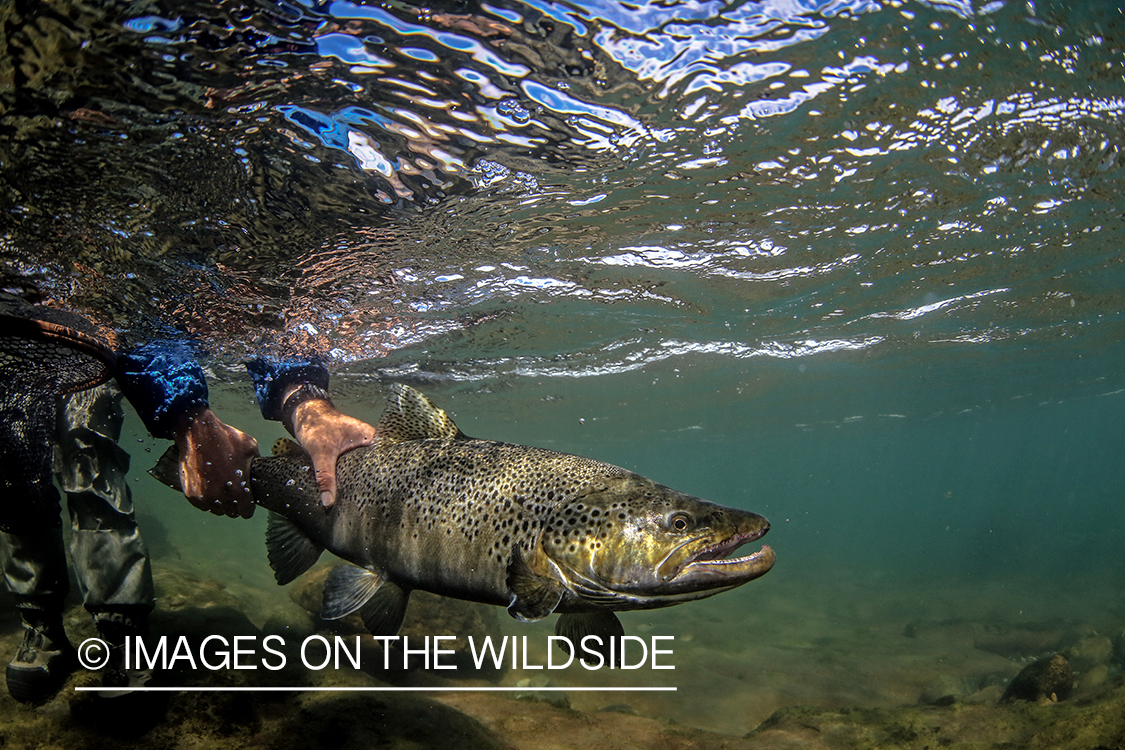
x=680, y=522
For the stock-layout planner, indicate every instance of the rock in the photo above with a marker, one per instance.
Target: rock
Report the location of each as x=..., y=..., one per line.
x=430, y=614
x=326, y=721
x=1005, y=639
x=956, y=632
x=307, y=592
x=986, y=696
x=1096, y=677
x=197, y=607
x=997, y=678
x=294, y=624
x=1018, y=641
x=1089, y=652
x=1047, y=679
x=1096, y=722
x=944, y=690
x=1119, y=647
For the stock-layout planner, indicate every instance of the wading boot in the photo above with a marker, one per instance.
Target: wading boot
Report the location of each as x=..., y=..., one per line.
x=43, y=661
x=124, y=710
x=123, y=679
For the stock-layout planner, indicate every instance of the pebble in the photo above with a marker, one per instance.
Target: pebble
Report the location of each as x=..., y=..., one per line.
x=1094, y=678
x=1089, y=652
x=944, y=690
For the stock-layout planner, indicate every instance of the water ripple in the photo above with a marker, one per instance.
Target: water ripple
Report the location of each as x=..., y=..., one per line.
x=561, y=188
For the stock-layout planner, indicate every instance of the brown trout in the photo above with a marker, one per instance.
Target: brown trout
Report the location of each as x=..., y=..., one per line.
x=529, y=529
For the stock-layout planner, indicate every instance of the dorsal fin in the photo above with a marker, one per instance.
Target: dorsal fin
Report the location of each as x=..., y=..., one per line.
x=286, y=448
x=411, y=416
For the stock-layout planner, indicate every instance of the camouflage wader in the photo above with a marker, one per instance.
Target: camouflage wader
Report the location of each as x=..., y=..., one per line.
x=110, y=560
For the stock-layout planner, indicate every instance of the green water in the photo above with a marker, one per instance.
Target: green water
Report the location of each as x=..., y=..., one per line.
x=854, y=266
x=1006, y=513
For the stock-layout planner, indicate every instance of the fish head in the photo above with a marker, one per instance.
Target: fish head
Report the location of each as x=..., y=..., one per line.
x=632, y=543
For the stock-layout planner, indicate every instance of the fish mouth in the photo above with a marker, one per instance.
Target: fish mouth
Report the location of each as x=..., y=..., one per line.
x=711, y=566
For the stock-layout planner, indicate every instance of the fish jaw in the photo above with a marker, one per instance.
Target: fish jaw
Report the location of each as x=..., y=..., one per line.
x=633, y=544
x=728, y=573
x=701, y=566
x=710, y=569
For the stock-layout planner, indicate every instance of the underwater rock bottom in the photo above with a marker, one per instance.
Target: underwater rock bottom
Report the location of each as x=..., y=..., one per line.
x=1033, y=713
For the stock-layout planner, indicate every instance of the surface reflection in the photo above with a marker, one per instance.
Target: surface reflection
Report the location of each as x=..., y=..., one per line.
x=368, y=178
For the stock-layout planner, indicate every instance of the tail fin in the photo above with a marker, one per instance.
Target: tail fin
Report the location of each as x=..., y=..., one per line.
x=167, y=469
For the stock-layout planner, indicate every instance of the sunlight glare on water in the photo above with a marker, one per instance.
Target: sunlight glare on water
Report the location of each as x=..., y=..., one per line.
x=769, y=180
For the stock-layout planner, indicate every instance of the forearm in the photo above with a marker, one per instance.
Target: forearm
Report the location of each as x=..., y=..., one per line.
x=164, y=382
x=281, y=385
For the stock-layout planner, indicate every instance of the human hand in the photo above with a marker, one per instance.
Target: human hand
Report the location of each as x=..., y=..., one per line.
x=325, y=433
x=215, y=464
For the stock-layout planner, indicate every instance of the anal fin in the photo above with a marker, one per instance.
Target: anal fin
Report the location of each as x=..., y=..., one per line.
x=384, y=612
x=290, y=552
x=574, y=626
x=532, y=596
x=347, y=588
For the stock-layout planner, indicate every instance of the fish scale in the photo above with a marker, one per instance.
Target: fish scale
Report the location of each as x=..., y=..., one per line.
x=485, y=494
x=534, y=530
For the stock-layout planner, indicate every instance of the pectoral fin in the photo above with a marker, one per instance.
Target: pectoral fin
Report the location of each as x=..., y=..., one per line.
x=290, y=552
x=531, y=596
x=385, y=610
x=347, y=588
x=574, y=626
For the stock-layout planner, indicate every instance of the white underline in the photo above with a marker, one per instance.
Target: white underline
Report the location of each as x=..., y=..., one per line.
x=213, y=689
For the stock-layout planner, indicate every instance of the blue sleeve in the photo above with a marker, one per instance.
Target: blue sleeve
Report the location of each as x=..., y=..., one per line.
x=272, y=377
x=163, y=381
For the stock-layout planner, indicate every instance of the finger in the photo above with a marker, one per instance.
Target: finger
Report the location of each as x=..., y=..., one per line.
x=324, y=463
x=326, y=483
x=245, y=503
x=189, y=483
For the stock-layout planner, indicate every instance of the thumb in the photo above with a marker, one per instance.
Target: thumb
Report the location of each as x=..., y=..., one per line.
x=191, y=486
x=325, y=466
